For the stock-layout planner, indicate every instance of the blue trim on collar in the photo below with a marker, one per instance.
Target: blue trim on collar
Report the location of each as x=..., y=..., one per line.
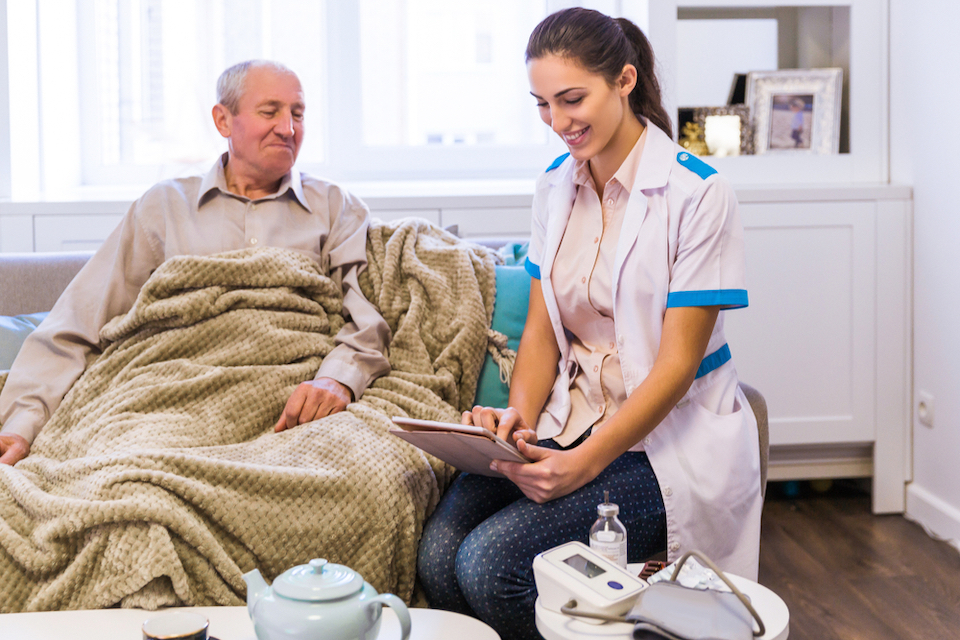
x=531, y=268
x=726, y=298
x=714, y=361
x=695, y=164
x=558, y=161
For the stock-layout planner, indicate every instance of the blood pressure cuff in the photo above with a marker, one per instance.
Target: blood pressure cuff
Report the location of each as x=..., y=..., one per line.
x=670, y=610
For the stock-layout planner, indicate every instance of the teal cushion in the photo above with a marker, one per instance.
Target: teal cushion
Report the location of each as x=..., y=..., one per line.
x=509, y=316
x=13, y=331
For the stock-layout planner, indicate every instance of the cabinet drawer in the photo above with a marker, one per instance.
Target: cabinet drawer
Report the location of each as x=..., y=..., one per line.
x=73, y=233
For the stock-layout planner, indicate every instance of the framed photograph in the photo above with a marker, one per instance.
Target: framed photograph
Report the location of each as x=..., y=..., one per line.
x=795, y=110
x=716, y=131
x=727, y=131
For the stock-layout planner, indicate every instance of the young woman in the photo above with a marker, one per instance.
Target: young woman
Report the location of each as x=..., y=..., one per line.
x=623, y=380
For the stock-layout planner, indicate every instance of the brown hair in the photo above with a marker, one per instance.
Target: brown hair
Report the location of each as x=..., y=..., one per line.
x=604, y=45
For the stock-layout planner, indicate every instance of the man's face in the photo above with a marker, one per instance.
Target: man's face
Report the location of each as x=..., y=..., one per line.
x=266, y=132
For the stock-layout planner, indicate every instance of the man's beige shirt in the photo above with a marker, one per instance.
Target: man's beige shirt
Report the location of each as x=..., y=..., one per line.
x=199, y=216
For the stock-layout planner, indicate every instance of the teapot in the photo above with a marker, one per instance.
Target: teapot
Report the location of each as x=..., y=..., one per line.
x=319, y=600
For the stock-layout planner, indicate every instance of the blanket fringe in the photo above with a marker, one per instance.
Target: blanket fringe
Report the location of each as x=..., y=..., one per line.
x=503, y=355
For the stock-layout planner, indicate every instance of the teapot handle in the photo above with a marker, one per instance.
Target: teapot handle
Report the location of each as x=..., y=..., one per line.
x=399, y=609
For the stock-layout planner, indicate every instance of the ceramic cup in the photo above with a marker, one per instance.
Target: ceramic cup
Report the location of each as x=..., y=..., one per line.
x=176, y=625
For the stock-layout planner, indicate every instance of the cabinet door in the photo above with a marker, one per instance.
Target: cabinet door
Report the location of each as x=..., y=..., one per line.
x=807, y=339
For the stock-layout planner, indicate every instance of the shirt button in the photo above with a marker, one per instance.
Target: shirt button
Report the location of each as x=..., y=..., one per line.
x=596, y=240
x=667, y=491
x=612, y=345
x=253, y=241
x=674, y=546
x=584, y=280
x=646, y=441
x=596, y=369
x=610, y=202
x=620, y=339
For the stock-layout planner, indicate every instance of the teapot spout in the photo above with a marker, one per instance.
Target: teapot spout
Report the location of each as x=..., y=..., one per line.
x=256, y=588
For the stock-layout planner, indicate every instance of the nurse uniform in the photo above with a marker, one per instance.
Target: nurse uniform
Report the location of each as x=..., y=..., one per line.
x=680, y=244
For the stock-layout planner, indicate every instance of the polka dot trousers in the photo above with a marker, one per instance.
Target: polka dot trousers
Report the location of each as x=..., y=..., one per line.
x=476, y=554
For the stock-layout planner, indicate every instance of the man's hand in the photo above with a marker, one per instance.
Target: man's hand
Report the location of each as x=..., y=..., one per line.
x=313, y=400
x=13, y=448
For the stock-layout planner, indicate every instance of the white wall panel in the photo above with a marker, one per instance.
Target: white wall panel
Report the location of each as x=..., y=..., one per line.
x=475, y=223
x=16, y=234
x=389, y=215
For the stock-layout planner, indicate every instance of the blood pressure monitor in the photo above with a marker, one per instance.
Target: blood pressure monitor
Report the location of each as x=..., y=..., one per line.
x=574, y=571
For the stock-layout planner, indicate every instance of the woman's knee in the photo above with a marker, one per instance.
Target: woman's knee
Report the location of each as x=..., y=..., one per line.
x=493, y=568
x=436, y=556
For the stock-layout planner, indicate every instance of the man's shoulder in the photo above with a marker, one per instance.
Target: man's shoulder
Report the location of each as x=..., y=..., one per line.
x=184, y=189
x=328, y=193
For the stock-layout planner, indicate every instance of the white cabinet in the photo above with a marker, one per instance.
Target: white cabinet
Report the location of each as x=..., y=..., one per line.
x=827, y=335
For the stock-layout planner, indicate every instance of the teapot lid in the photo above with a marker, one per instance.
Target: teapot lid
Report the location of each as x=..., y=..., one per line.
x=318, y=580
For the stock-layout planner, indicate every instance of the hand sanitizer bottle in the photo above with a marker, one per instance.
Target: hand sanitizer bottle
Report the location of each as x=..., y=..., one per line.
x=608, y=536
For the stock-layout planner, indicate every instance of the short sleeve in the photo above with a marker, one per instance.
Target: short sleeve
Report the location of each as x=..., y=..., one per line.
x=709, y=267
x=538, y=230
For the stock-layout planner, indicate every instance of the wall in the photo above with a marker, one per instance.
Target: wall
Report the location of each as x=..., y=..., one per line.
x=925, y=142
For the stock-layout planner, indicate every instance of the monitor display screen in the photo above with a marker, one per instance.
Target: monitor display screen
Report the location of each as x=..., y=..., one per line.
x=584, y=566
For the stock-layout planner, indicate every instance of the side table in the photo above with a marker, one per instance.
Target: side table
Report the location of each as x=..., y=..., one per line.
x=556, y=626
x=226, y=623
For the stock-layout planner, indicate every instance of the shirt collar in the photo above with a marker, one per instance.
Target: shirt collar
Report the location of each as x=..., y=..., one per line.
x=216, y=178
x=627, y=172
x=654, y=165
x=625, y=175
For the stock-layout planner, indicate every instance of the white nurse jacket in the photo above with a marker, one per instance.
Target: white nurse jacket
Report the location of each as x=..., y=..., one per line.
x=681, y=244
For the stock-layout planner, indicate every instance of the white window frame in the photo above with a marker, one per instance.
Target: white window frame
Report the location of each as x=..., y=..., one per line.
x=345, y=157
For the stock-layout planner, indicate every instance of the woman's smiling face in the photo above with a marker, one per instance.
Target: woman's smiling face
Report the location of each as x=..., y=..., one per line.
x=581, y=107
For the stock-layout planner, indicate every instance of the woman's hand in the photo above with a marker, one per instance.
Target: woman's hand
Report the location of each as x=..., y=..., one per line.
x=552, y=474
x=507, y=424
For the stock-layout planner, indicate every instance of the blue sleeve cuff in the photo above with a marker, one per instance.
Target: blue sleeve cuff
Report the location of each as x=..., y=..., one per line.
x=726, y=298
x=531, y=268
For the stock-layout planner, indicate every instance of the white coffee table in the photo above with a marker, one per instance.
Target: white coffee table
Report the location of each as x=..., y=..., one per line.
x=226, y=623
x=556, y=626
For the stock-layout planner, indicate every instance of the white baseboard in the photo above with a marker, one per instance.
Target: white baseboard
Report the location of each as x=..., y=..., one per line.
x=938, y=518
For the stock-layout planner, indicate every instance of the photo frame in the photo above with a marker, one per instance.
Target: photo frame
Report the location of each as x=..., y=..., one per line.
x=727, y=130
x=795, y=111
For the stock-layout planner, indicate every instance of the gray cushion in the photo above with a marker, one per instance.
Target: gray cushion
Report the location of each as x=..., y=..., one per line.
x=32, y=282
x=759, y=406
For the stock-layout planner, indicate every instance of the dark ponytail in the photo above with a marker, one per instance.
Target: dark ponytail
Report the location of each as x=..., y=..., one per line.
x=604, y=45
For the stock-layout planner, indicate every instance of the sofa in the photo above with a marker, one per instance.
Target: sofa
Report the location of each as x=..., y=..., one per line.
x=31, y=283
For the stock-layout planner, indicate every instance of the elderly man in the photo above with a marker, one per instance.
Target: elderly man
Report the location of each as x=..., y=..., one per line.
x=251, y=197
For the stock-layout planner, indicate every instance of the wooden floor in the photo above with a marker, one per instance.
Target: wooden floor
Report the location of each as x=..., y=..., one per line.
x=847, y=574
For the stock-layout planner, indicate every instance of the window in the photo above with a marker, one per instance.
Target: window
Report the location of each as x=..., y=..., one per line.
x=118, y=92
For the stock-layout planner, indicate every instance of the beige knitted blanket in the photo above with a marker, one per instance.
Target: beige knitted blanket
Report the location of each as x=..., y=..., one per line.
x=159, y=480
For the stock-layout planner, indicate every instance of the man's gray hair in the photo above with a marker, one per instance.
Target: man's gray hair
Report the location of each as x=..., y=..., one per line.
x=230, y=85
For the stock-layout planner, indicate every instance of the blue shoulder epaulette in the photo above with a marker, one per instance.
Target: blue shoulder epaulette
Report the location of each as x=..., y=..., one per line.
x=695, y=164
x=558, y=162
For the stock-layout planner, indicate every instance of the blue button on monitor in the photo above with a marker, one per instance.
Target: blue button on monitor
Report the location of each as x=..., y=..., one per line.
x=613, y=584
